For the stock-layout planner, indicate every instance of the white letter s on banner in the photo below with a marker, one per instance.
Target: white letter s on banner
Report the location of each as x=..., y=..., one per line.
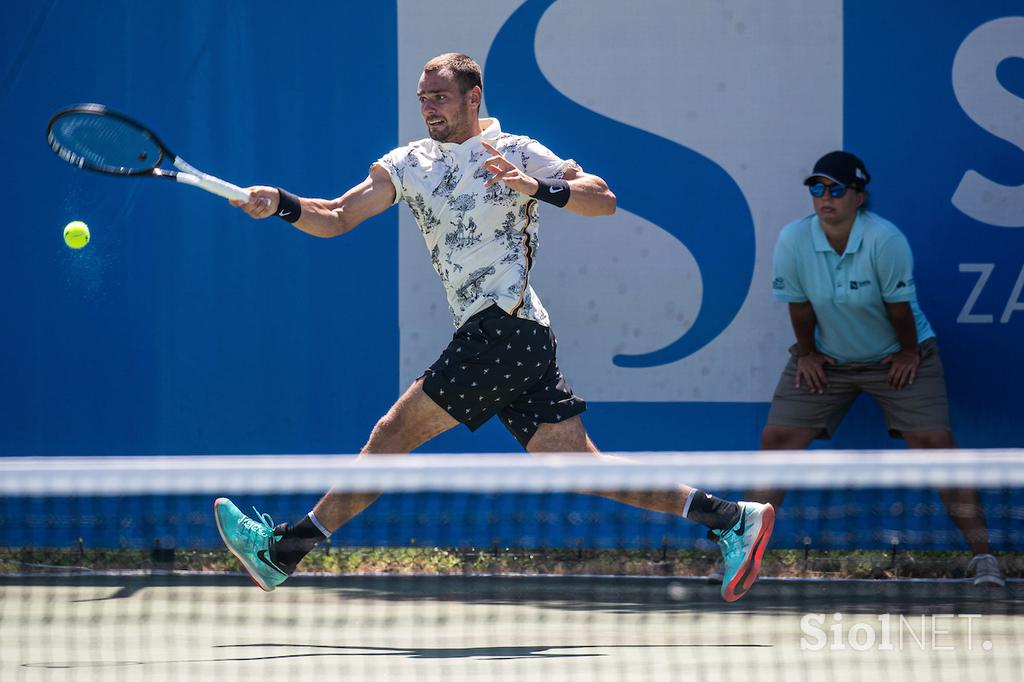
x=995, y=109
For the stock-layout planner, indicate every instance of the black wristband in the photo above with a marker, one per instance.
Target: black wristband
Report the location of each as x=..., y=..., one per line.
x=288, y=208
x=554, y=192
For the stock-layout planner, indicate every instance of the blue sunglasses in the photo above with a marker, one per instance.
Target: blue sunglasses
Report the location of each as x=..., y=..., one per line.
x=835, y=191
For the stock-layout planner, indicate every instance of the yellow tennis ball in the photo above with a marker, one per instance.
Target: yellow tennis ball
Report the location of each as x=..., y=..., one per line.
x=76, y=234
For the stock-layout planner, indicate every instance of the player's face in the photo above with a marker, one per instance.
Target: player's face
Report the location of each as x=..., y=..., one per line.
x=837, y=210
x=450, y=115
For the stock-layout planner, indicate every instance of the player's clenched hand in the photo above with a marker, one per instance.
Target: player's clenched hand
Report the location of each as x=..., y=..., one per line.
x=262, y=202
x=504, y=171
x=811, y=368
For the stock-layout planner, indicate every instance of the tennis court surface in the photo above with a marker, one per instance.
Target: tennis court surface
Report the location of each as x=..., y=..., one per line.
x=110, y=570
x=452, y=627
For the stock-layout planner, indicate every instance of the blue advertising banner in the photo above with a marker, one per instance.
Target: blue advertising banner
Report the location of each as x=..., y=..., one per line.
x=184, y=327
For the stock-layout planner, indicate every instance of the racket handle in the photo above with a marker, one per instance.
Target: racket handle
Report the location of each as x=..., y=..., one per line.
x=214, y=185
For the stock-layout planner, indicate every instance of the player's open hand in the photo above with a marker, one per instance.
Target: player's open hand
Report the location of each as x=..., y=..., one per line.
x=902, y=367
x=506, y=172
x=811, y=368
x=262, y=202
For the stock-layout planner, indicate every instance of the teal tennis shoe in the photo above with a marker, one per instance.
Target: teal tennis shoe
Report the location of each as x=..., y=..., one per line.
x=250, y=540
x=743, y=546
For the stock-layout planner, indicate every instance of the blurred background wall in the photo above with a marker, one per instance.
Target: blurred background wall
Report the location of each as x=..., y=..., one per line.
x=185, y=327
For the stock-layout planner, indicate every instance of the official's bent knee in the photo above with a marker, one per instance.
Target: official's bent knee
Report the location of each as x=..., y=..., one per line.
x=938, y=439
x=775, y=437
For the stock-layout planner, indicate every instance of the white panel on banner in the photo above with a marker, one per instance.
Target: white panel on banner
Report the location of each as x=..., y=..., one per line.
x=755, y=88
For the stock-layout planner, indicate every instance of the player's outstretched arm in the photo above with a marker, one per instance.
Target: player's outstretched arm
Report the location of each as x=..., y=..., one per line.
x=324, y=217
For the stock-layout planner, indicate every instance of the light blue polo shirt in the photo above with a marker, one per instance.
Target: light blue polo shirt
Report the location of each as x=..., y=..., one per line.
x=849, y=292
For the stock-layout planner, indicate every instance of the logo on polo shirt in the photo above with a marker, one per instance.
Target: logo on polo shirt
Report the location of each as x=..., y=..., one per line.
x=778, y=283
x=862, y=283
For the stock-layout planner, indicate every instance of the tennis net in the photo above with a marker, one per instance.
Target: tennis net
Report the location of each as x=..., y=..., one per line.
x=474, y=566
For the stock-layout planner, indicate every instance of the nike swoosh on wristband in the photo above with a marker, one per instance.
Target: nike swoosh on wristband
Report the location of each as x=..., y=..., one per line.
x=262, y=556
x=556, y=190
x=284, y=214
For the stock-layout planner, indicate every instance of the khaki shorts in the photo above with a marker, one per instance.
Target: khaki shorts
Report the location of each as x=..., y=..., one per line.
x=922, y=406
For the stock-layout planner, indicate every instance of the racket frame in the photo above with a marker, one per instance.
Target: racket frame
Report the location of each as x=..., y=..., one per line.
x=186, y=173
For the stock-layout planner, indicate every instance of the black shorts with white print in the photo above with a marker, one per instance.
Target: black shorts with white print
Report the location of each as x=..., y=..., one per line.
x=504, y=365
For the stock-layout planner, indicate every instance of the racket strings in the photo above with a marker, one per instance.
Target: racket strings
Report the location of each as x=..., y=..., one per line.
x=106, y=143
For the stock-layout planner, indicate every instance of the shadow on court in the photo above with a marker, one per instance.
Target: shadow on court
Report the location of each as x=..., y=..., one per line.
x=496, y=653
x=597, y=594
x=681, y=595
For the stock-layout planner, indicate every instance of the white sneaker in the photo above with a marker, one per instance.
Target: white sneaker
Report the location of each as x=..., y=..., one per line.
x=985, y=570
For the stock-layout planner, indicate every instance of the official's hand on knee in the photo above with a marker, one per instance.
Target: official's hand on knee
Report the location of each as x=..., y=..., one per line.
x=902, y=367
x=811, y=368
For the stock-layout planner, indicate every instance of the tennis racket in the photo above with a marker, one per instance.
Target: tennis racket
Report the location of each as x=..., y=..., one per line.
x=94, y=137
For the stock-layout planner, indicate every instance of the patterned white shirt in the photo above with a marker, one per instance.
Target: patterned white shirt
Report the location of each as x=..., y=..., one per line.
x=482, y=241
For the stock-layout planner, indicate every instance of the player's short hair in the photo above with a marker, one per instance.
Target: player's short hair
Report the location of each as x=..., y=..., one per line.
x=461, y=67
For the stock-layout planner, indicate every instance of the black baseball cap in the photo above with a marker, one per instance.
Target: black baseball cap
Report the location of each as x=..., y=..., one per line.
x=841, y=167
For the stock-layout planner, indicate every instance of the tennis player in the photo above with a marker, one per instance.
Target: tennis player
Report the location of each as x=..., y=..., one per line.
x=847, y=277
x=474, y=191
